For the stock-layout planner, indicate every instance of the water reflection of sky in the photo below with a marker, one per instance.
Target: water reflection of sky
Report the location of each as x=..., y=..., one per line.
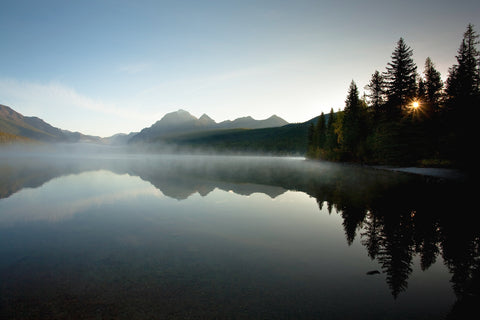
x=65, y=196
x=103, y=234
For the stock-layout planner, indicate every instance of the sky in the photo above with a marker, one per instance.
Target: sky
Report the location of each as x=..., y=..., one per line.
x=102, y=67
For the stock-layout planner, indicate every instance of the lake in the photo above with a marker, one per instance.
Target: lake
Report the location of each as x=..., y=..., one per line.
x=131, y=236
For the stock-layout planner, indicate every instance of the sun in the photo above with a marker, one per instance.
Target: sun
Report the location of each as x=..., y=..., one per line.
x=415, y=108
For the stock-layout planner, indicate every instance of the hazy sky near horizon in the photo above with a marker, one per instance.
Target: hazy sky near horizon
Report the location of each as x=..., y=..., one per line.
x=108, y=66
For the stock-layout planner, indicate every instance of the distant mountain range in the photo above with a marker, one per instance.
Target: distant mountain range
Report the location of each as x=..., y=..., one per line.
x=20, y=128
x=179, y=128
x=182, y=122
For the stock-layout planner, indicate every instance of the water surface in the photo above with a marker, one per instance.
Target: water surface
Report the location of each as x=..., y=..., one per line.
x=142, y=237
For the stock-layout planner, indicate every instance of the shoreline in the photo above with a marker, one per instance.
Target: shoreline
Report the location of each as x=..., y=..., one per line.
x=436, y=173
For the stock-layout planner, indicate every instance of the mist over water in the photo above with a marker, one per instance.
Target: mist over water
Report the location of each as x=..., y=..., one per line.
x=89, y=231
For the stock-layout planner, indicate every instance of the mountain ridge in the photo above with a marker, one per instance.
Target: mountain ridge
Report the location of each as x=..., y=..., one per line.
x=179, y=128
x=14, y=123
x=182, y=122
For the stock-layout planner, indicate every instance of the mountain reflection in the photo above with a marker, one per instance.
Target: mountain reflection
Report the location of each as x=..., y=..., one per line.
x=395, y=216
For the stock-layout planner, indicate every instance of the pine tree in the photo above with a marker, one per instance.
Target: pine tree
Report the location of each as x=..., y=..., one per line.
x=321, y=131
x=353, y=123
x=331, y=142
x=376, y=87
x=422, y=91
x=433, y=85
x=463, y=83
x=463, y=101
x=353, y=100
x=400, y=79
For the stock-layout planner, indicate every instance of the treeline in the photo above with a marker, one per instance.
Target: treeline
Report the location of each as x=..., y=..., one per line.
x=407, y=118
x=285, y=140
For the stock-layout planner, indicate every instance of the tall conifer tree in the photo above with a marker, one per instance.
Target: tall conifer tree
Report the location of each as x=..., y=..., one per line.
x=430, y=90
x=321, y=131
x=463, y=83
x=400, y=78
x=353, y=122
x=332, y=139
x=376, y=88
x=433, y=84
x=463, y=100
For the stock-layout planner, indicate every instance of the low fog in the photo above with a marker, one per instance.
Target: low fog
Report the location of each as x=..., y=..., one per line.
x=94, y=149
x=181, y=174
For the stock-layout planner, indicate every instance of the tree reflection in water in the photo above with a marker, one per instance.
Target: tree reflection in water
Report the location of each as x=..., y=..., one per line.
x=396, y=216
x=413, y=218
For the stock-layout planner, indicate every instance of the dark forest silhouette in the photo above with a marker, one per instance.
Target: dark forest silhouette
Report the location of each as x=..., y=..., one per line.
x=406, y=118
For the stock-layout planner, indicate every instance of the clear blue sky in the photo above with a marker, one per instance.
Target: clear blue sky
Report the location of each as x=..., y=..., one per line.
x=108, y=66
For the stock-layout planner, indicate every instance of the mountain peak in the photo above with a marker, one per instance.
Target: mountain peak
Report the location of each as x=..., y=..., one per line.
x=9, y=113
x=181, y=111
x=206, y=120
x=177, y=117
x=181, y=122
x=276, y=121
x=205, y=116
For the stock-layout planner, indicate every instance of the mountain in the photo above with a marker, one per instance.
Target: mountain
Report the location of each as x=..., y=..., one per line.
x=181, y=122
x=243, y=135
x=118, y=139
x=286, y=140
x=177, y=118
x=15, y=124
x=250, y=123
x=180, y=129
x=7, y=138
x=205, y=120
x=177, y=122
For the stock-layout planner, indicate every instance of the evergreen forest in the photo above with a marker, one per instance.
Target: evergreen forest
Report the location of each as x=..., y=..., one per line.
x=407, y=118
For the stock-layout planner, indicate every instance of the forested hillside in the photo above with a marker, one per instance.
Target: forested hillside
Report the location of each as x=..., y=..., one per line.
x=285, y=140
x=407, y=118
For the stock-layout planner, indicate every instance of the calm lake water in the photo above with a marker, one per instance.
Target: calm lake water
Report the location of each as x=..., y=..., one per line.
x=194, y=237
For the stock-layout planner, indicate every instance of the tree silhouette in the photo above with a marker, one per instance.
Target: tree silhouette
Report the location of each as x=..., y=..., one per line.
x=463, y=83
x=352, y=219
x=400, y=79
x=411, y=120
x=433, y=85
x=321, y=131
x=427, y=238
x=371, y=236
x=331, y=142
x=376, y=97
x=354, y=126
x=396, y=252
x=463, y=99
